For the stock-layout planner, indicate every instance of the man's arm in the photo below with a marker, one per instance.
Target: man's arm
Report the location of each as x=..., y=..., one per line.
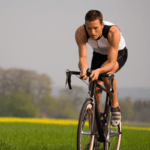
x=81, y=39
x=113, y=39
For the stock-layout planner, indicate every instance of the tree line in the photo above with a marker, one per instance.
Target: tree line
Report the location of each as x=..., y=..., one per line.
x=25, y=93
x=137, y=111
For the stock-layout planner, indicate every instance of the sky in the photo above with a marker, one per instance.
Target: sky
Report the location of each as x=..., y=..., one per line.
x=39, y=35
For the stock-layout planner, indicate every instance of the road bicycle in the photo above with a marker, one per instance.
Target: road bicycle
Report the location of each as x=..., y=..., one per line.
x=95, y=131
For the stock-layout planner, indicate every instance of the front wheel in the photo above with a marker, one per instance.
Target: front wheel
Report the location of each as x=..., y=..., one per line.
x=85, y=138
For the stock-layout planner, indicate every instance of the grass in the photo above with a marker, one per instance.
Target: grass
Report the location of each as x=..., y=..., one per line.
x=34, y=136
x=136, y=124
x=27, y=136
x=135, y=140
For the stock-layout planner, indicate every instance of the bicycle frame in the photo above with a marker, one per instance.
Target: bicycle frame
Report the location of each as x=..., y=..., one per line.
x=103, y=132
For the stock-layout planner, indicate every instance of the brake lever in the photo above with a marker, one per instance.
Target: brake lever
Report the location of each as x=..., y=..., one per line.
x=67, y=76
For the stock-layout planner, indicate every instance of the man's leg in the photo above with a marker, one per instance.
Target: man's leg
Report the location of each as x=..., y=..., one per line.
x=112, y=95
x=115, y=108
x=107, y=85
x=98, y=94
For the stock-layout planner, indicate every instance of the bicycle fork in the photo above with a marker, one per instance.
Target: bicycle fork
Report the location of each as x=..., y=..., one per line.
x=93, y=115
x=92, y=124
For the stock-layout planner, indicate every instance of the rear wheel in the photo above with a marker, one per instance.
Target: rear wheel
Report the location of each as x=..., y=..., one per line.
x=114, y=137
x=85, y=139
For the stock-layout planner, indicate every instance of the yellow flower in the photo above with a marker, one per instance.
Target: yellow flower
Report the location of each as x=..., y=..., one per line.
x=58, y=121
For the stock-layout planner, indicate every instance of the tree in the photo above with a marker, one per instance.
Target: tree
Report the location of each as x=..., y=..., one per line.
x=34, y=84
x=34, y=87
x=141, y=111
x=4, y=103
x=57, y=108
x=65, y=109
x=77, y=95
x=47, y=106
x=18, y=105
x=126, y=109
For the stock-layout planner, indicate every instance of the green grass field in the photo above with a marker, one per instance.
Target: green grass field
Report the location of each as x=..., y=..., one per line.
x=33, y=136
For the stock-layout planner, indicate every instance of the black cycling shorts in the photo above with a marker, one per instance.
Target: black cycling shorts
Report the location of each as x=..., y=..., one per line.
x=98, y=59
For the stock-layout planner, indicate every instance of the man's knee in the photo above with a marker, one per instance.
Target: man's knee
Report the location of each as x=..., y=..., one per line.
x=105, y=79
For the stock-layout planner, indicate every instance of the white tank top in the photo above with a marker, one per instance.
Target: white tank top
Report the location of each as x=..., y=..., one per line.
x=102, y=45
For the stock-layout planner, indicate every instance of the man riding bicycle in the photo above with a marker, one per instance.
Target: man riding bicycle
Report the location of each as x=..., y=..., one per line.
x=109, y=55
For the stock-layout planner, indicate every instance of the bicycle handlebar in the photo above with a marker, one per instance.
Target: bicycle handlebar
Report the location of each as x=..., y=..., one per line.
x=69, y=73
x=68, y=77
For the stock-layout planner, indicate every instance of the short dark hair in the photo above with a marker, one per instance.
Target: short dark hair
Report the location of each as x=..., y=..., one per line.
x=93, y=15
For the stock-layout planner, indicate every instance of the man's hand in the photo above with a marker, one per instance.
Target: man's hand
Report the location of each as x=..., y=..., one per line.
x=83, y=74
x=95, y=74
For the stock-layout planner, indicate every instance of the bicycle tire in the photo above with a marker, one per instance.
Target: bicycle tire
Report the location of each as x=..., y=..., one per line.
x=85, y=140
x=114, y=137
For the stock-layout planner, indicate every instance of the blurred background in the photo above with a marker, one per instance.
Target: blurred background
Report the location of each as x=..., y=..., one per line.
x=37, y=44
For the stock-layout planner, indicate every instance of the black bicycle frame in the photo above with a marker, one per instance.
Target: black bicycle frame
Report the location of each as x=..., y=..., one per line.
x=102, y=129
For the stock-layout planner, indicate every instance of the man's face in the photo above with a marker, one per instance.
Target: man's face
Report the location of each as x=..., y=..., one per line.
x=94, y=28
